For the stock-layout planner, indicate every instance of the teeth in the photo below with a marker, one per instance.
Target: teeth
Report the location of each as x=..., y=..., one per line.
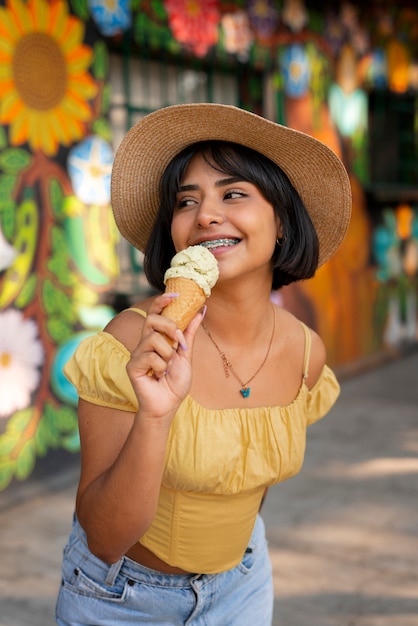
x=217, y=243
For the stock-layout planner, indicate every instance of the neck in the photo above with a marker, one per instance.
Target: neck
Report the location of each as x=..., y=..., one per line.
x=228, y=366
x=238, y=321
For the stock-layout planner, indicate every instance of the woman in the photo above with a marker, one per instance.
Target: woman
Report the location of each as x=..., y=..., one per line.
x=174, y=466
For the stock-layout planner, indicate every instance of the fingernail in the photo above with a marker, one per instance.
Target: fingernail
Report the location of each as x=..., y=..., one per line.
x=203, y=311
x=172, y=295
x=181, y=339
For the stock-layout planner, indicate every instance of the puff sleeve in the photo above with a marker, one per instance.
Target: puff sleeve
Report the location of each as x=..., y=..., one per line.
x=322, y=396
x=98, y=371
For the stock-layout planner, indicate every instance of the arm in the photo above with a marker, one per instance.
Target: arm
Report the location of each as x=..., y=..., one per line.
x=122, y=454
x=122, y=458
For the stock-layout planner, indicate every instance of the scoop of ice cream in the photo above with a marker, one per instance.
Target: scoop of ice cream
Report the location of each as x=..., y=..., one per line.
x=195, y=263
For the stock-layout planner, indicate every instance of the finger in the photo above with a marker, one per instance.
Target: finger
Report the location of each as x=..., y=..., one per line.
x=160, y=325
x=160, y=338
x=160, y=302
x=150, y=363
x=191, y=330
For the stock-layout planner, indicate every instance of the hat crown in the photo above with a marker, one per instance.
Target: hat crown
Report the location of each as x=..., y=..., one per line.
x=314, y=170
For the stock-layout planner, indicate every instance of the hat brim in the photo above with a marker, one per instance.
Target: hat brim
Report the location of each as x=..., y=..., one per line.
x=315, y=171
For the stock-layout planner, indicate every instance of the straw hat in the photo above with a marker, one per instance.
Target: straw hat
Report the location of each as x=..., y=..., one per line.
x=314, y=170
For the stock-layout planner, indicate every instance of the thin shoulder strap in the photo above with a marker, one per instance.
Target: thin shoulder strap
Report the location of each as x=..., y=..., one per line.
x=139, y=311
x=307, y=355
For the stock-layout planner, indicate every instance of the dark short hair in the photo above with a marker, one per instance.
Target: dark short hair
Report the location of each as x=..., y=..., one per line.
x=296, y=256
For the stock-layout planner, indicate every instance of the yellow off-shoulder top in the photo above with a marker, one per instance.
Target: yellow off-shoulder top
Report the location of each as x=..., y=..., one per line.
x=218, y=462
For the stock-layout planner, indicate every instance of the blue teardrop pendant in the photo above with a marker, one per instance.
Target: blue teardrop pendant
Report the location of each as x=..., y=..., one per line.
x=245, y=392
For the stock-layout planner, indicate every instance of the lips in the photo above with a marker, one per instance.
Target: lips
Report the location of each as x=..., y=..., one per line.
x=219, y=243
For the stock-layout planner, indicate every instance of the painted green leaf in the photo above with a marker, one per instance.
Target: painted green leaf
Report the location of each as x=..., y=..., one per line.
x=8, y=442
x=57, y=302
x=19, y=421
x=42, y=438
x=66, y=419
x=102, y=128
x=47, y=435
x=56, y=196
x=50, y=432
x=60, y=427
x=3, y=138
x=8, y=218
x=6, y=473
x=13, y=160
x=58, y=241
x=7, y=205
x=7, y=185
x=80, y=8
x=50, y=297
x=172, y=45
x=25, y=462
x=58, y=330
x=58, y=263
x=149, y=32
x=100, y=65
x=27, y=292
x=159, y=9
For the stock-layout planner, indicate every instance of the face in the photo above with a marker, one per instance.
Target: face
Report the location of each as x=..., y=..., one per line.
x=227, y=215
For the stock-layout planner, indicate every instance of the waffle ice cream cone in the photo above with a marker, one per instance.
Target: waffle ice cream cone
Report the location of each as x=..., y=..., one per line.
x=192, y=274
x=190, y=300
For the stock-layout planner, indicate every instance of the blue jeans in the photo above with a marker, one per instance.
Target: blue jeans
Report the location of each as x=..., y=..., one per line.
x=94, y=593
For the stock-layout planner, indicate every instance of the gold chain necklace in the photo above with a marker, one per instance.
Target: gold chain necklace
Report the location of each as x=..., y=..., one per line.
x=228, y=367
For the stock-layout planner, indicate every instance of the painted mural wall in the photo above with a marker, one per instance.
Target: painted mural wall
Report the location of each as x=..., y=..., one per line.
x=57, y=237
x=58, y=242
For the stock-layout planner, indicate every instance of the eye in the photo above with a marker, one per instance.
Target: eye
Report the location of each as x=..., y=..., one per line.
x=233, y=194
x=182, y=203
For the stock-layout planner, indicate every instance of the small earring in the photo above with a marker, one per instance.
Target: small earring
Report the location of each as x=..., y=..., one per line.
x=280, y=241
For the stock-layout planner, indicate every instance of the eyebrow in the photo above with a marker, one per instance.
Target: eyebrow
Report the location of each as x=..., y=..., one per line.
x=219, y=183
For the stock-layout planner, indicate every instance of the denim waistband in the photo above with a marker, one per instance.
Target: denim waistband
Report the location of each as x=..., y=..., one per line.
x=94, y=592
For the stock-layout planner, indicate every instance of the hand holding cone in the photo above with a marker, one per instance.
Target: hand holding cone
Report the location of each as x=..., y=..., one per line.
x=192, y=274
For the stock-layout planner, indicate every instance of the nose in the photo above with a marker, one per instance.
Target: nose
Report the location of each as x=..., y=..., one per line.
x=210, y=212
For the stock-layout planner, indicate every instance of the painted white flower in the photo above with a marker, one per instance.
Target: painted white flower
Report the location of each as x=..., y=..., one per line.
x=21, y=354
x=89, y=166
x=7, y=252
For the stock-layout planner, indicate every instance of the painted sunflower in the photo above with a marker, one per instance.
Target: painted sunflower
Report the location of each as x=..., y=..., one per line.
x=44, y=84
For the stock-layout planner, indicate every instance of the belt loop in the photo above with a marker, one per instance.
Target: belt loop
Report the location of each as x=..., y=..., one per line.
x=113, y=572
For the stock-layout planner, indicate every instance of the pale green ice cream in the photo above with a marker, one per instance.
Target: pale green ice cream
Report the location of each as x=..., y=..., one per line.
x=195, y=263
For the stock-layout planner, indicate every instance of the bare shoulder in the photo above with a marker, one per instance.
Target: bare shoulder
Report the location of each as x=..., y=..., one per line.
x=126, y=326
x=317, y=359
x=296, y=342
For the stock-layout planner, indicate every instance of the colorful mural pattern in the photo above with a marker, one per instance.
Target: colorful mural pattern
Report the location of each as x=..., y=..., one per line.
x=57, y=249
x=395, y=249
